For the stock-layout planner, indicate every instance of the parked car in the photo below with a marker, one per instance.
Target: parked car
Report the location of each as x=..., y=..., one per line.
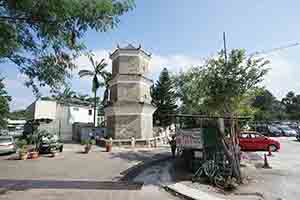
x=7, y=144
x=296, y=127
x=268, y=130
x=287, y=131
x=252, y=140
x=49, y=143
x=4, y=132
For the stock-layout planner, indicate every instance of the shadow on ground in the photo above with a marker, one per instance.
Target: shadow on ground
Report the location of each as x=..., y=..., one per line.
x=60, y=184
x=134, y=155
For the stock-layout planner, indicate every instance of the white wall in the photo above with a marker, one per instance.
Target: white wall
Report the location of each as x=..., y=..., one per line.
x=81, y=114
x=45, y=110
x=63, y=116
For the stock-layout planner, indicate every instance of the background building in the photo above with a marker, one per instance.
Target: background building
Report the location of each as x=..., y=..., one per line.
x=62, y=115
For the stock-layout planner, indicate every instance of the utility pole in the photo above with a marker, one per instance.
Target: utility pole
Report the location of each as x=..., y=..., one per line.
x=225, y=49
x=233, y=135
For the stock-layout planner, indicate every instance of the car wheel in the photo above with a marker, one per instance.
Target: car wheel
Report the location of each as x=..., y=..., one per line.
x=241, y=148
x=273, y=147
x=61, y=149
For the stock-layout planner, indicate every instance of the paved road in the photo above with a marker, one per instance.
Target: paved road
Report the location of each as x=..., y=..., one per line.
x=283, y=180
x=73, y=175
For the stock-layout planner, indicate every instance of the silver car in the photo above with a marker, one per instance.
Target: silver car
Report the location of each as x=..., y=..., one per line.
x=7, y=144
x=287, y=131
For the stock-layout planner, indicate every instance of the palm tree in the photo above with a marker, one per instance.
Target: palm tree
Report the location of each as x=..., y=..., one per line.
x=82, y=97
x=66, y=94
x=107, y=76
x=98, y=70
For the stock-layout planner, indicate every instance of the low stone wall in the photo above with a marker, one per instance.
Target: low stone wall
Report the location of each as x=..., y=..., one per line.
x=151, y=142
x=161, y=137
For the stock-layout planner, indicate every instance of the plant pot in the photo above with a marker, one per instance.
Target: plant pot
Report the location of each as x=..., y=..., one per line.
x=87, y=148
x=108, y=147
x=23, y=155
x=33, y=155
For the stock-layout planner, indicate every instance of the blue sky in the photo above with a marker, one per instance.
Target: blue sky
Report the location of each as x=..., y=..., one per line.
x=181, y=33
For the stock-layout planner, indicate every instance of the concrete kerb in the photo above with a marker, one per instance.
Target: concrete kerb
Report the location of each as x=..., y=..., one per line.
x=3, y=190
x=176, y=193
x=189, y=193
x=131, y=173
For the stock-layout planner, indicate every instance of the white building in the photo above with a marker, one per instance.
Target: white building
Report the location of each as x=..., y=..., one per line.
x=62, y=114
x=15, y=124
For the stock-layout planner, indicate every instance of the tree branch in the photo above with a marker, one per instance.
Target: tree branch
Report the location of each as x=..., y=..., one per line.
x=26, y=19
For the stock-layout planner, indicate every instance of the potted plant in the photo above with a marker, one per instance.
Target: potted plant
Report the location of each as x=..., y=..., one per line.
x=23, y=151
x=108, y=145
x=88, y=145
x=35, y=139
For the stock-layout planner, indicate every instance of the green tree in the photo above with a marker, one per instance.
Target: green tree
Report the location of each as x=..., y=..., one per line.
x=82, y=97
x=4, y=104
x=225, y=83
x=164, y=98
x=19, y=115
x=98, y=70
x=65, y=95
x=43, y=37
x=189, y=91
x=268, y=107
x=292, y=105
x=264, y=100
x=245, y=107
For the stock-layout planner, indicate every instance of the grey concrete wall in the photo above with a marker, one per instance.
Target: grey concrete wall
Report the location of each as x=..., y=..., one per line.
x=115, y=67
x=31, y=110
x=63, y=122
x=130, y=65
x=128, y=92
x=130, y=114
x=124, y=126
x=146, y=126
x=110, y=121
x=113, y=93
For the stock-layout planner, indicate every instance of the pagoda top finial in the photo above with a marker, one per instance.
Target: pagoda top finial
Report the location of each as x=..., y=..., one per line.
x=129, y=48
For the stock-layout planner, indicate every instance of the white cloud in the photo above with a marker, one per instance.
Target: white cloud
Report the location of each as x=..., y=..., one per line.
x=174, y=63
x=83, y=61
x=84, y=85
x=283, y=75
x=21, y=95
x=18, y=103
x=13, y=84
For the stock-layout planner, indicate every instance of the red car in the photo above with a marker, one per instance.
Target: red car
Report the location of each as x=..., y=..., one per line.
x=251, y=140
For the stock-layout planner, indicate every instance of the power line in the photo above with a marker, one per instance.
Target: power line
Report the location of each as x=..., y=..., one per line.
x=274, y=49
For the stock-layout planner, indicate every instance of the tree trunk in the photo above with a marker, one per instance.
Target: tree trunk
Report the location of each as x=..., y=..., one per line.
x=95, y=107
x=230, y=150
